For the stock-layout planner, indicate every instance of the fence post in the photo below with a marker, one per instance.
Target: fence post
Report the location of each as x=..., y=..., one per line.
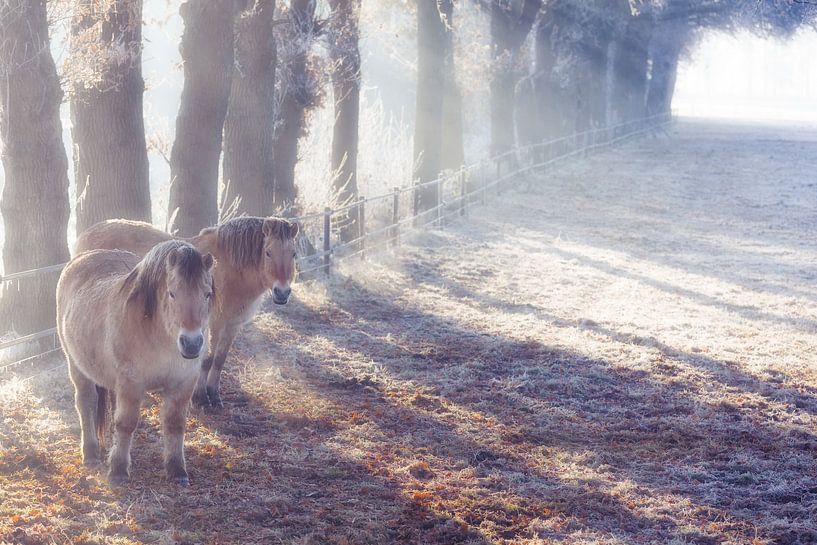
x=327, y=242
x=439, y=188
x=463, y=191
x=484, y=179
x=361, y=222
x=395, y=219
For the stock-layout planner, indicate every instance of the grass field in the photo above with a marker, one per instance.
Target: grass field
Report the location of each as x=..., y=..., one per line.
x=621, y=354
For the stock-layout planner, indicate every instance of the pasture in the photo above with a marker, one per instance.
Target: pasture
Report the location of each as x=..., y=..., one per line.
x=622, y=354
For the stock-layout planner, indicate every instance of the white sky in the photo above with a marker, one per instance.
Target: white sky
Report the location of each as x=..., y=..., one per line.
x=745, y=77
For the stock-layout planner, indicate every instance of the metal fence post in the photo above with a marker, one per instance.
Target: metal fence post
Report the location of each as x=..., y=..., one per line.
x=361, y=222
x=327, y=242
x=463, y=191
x=395, y=219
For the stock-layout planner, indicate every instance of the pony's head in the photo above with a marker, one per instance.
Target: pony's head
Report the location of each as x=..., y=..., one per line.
x=266, y=245
x=279, y=257
x=174, y=282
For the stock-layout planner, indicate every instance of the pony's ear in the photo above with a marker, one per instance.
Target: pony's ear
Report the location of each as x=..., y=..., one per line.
x=293, y=229
x=172, y=258
x=208, y=261
x=269, y=227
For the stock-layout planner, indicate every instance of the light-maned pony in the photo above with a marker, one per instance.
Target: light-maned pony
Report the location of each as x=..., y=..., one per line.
x=129, y=326
x=252, y=255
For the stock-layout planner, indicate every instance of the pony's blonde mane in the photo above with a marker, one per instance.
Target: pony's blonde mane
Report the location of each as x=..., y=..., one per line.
x=242, y=239
x=147, y=278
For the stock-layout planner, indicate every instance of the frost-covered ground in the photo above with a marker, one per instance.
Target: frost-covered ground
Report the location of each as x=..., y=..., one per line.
x=622, y=354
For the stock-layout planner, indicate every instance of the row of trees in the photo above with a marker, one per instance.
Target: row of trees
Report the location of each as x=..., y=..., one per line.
x=252, y=72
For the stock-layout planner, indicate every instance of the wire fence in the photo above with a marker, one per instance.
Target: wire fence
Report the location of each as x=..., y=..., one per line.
x=378, y=222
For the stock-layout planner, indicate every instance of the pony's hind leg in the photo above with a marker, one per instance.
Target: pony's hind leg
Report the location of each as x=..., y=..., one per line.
x=85, y=401
x=125, y=419
x=174, y=416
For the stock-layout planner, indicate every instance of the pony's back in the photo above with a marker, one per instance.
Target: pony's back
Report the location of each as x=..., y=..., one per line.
x=87, y=295
x=133, y=236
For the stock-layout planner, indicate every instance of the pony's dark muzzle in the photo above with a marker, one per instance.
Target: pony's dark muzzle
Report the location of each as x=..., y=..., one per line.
x=281, y=296
x=190, y=345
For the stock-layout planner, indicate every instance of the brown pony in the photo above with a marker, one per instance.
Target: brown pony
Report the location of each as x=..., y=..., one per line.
x=252, y=255
x=127, y=327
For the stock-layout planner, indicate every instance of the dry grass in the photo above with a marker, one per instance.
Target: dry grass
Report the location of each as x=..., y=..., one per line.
x=622, y=355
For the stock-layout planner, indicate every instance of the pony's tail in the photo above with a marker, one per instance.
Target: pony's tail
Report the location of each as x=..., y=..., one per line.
x=105, y=401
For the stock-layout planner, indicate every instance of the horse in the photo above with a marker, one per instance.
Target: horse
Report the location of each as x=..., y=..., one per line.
x=129, y=326
x=253, y=255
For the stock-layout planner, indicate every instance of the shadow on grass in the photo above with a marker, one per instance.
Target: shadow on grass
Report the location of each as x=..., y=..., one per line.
x=657, y=434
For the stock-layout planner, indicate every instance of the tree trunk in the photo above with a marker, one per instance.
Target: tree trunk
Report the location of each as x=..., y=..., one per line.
x=630, y=69
x=665, y=51
x=250, y=120
x=296, y=95
x=509, y=29
x=345, y=56
x=34, y=203
x=551, y=116
x=453, y=154
x=207, y=54
x=108, y=129
x=431, y=77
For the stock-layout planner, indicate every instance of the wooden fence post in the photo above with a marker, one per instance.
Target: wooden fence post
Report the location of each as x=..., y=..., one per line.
x=439, y=188
x=463, y=191
x=395, y=219
x=327, y=242
x=361, y=218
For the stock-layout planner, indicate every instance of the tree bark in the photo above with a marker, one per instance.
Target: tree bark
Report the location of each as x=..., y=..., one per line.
x=297, y=93
x=553, y=107
x=250, y=119
x=34, y=203
x=345, y=54
x=630, y=70
x=207, y=54
x=509, y=29
x=453, y=154
x=431, y=77
x=665, y=51
x=108, y=129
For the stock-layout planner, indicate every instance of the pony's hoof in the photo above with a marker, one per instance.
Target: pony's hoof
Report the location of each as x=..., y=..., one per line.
x=91, y=463
x=215, y=401
x=200, y=400
x=180, y=479
x=118, y=479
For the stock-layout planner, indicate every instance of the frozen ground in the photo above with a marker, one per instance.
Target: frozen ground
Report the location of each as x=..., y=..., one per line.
x=623, y=354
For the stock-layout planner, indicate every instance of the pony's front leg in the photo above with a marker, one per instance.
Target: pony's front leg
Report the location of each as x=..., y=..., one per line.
x=126, y=417
x=200, y=398
x=220, y=356
x=85, y=400
x=174, y=416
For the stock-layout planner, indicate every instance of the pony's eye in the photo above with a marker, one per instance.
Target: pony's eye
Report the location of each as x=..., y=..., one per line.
x=268, y=253
x=172, y=295
x=294, y=255
x=208, y=295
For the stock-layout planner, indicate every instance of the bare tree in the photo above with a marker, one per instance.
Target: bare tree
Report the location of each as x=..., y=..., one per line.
x=298, y=91
x=108, y=129
x=250, y=120
x=207, y=54
x=453, y=154
x=510, y=24
x=630, y=65
x=431, y=77
x=344, y=35
x=34, y=203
